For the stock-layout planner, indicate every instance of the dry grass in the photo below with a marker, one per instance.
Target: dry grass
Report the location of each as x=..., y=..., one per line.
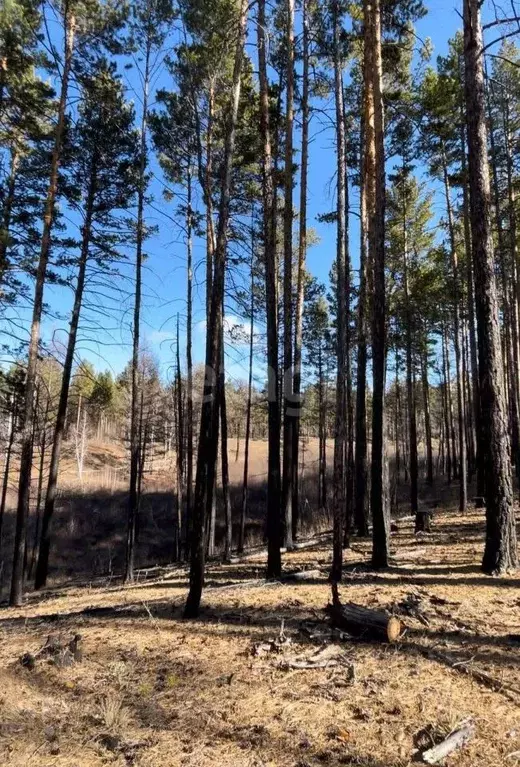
x=156, y=690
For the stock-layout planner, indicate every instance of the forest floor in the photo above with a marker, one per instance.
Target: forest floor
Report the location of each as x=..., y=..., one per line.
x=153, y=689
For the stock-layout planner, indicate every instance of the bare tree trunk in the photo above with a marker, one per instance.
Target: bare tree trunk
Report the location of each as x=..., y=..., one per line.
x=180, y=533
x=457, y=341
x=445, y=401
x=349, y=448
x=228, y=540
x=513, y=347
x=208, y=437
x=360, y=458
x=27, y=414
x=189, y=364
x=322, y=451
x=288, y=419
x=410, y=386
x=302, y=247
x=7, y=467
x=134, y=417
x=427, y=417
x=340, y=424
x=471, y=319
x=375, y=171
x=243, y=513
x=397, y=420
x=500, y=552
x=454, y=461
x=42, y=566
x=274, y=528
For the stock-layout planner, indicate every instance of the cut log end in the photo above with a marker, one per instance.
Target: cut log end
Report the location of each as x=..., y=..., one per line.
x=393, y=630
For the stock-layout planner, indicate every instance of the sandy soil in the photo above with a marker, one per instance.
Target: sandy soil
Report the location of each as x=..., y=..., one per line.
x=153, y=689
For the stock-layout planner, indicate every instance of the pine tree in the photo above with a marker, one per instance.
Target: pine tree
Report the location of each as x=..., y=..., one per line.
x=104, y=174
x=500, y=552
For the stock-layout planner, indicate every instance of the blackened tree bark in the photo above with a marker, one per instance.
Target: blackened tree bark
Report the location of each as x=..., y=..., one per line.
x=27, y=414
x=360, y=458
x=300, y=287
x=52, y=486
x=375, y=170
x=500, y=552
x=208, y=436
x=274, y=564
x=340, y=421
x=133, y=499
x=224, y=456
x=13, y=416
x=410, y=381
x=179, y=535
x=457, y=343
x=427, y=415
x=288, y=398
x=470, y=285
x=245, y=484
x=189, y=364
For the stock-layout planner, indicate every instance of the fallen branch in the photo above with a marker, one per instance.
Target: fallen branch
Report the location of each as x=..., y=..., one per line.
x=512, y=693
x=325, y=657
x=302, y=575
x=457, y=739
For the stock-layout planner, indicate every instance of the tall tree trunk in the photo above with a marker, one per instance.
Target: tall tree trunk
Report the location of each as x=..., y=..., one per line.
x=42, y=566
x=39, y=492
x=445, y=406
x=27, y=414
x=300, y=289
x=134, y=415
x=189, y=365
x=340, y=421
x=322, y=457
x=180, y=533
x=228, y=541
x=208, y=436
x=397, y=421
x=427, y=416
x=349, y=448
x=513, y=346
x=500, y=552
x=360, y=458
x=508, y=324
x=449, y=401
x=210, y=231
x=288, y=416
x=7, y=467
x=245, y=485
x=274, y=528
x=410, y=386
x=457, y=341
x=470, y=284
x=375, y=170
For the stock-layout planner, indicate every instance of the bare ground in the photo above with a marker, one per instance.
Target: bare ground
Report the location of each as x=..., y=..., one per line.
x=153, y=689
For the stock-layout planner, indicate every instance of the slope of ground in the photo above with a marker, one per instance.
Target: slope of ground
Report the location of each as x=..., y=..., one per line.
x=153, y=689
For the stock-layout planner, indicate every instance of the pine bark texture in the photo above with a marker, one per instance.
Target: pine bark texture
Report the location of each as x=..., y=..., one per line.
x=500, y=552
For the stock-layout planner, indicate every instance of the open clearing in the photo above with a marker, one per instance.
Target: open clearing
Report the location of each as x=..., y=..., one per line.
x=153, y=689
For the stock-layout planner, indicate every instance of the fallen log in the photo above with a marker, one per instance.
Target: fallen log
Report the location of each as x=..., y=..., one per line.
x=302, y=575
x=362, y=621
x=457, y=739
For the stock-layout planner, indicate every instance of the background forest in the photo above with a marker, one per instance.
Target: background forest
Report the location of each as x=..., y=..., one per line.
x=300, y=359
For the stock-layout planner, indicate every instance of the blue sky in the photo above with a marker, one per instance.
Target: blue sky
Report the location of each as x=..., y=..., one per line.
x=105, y=336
